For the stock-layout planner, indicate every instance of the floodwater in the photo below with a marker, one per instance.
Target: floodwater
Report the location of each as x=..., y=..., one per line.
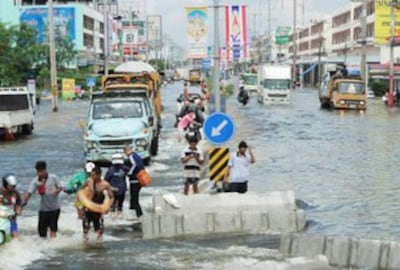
x=343, y=167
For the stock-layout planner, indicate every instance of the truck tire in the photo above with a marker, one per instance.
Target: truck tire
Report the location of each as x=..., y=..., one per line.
x=27, y=129
x=154, y=146
x=147, y=161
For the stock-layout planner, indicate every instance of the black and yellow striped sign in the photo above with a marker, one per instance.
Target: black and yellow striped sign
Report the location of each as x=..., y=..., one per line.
x=218, y=162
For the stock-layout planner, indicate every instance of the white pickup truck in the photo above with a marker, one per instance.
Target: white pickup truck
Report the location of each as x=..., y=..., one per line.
x=16, y=111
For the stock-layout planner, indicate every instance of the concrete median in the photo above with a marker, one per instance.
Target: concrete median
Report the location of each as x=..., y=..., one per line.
x=204, y=214
x=344, y=252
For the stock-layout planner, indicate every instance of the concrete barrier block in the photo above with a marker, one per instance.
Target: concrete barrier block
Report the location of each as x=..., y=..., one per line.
x=365, y=253
x=385, y=253
x=147, y=227
x=394, y=256
x=282, y=221
x=254, y=222
x=307, y=245
x=168, y=225
x=151, y=226
x=285, y=246
x=196, y=224
x=229, y=201
x=338, y=251
x=228, y=222
x=301, y=220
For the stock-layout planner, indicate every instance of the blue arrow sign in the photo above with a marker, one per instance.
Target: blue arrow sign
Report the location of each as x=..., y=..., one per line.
x=91, y=81
x=219, y=128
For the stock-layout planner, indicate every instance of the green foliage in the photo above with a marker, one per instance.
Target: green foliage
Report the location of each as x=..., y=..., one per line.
x=228, y=90
x=380, y=87
x=22, y=57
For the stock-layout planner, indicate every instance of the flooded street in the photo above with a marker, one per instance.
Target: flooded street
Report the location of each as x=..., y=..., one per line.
x=343, y=167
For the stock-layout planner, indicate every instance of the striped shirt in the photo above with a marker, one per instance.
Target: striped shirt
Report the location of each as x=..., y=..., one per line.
x=192, y=167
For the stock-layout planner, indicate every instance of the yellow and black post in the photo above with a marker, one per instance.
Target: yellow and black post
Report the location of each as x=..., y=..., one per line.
x=218, y=163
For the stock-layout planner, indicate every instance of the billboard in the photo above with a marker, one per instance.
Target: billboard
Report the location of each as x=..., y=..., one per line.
x=197, y=32
x=382, y=21
x=282, y=35
x=68, y=89
x=130, y=40
x=236, y=31
x=154, y=29
x=64, y=22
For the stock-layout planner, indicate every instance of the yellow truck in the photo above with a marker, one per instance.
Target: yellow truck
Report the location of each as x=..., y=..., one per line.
x=194, y=76
x=339, y=92
x=126, y=111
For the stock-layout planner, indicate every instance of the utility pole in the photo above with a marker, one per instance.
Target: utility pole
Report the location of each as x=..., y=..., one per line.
x=321, y=39
x=364, y=64
x=390, y=100
x=105, y=37
x=216, y=58
x=294, y=41
x=147, y=39
x=53, y=63
x=269, y=32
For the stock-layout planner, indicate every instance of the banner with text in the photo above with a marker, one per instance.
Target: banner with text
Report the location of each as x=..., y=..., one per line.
x=382, y=22
x=197, y=32
x=236, y=32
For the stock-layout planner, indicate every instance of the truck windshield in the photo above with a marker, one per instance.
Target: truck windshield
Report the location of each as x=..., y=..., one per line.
x=250, y=80
x=14, y=102
x=277, y=84
x=351, y=88
x=120, y=109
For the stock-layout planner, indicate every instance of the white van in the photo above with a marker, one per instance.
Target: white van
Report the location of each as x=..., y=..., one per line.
x=16, y=112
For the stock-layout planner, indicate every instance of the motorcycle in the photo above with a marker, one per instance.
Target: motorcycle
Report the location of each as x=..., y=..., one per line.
x=5, y=224
x=243, y=96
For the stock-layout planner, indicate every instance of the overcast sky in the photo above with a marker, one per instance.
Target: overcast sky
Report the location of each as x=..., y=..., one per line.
x=174, y=17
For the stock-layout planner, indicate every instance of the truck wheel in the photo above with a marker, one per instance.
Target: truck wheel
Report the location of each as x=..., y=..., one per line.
x=154, y=146
x=147, y=161
x=27, y=129
x=3, y=237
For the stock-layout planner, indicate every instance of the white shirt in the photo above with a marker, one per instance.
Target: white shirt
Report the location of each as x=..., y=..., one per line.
x=239, y=168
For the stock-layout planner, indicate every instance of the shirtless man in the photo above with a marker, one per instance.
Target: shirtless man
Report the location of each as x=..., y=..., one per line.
x=98, y=187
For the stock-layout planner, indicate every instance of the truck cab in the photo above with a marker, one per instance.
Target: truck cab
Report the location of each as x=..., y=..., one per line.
x=16, y=111
x=342, y=92
x=123, y=113
x=274, y=84
x=249, y=82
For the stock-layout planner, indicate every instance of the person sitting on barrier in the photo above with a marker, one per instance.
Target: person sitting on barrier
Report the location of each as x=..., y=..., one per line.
x=98, y=187
x=192, y=158
x=239, y=168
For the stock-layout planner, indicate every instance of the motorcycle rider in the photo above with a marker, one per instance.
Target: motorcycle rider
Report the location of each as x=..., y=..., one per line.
x=243, y=96
x=12, y=199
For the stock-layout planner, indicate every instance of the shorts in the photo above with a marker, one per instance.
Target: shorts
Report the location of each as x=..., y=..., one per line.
x=48, y=219
x=90, y=217
x=192, y=180
x=14, y=226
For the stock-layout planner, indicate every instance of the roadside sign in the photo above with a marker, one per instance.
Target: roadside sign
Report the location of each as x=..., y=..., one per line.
x=91, y=81
x=219, y=128
x=205, y=64
x=282, y=35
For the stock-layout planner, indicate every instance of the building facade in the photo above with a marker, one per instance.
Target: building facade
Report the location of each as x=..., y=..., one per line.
x=337, y=38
